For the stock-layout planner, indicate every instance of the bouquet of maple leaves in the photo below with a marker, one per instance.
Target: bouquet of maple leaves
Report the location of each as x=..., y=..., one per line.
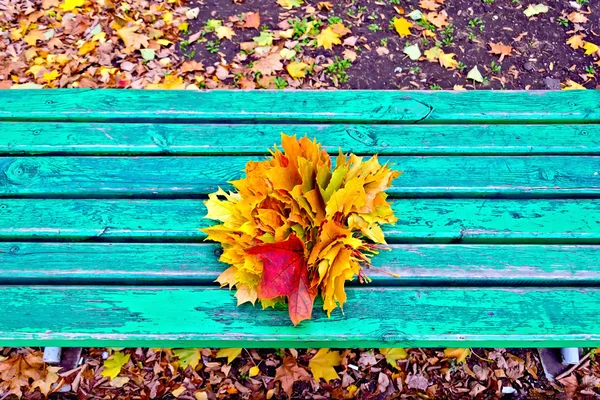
x=296, y=227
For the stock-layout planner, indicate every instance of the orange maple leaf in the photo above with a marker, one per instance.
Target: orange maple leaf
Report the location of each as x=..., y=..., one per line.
x=500, y=49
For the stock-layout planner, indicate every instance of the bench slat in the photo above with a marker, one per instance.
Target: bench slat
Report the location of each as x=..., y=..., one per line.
x=197, y=264
x=176, y=177
x=202, y=139
x=421, y=220
x=374, y=317
x=303, y=106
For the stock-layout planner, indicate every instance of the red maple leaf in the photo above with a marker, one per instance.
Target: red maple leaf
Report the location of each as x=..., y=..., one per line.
x=285, y=274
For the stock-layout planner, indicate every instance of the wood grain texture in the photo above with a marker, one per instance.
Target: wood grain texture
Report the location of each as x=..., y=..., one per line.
x=420, y=220
x=56, y=138
x=177, y=177
x=172, y=317
x=302, y=106
x=197, y=264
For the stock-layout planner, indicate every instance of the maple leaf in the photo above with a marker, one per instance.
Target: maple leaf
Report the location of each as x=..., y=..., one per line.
x=289, y=4
x=460, y=354
x=500, y=49
x=33, y=36
x=393, y=355
x=187, y=357
x=269, y=64
x=577, y=18
x=231, y=354
x=433, y=53
x=590, y=48
x=265, y=39
x=86, y=48
x=321, y=365
x=131, y=39
x=70, y=5
x=50, y=76
x=340, y=29
x=447, y=60
x=45, y=385
x=113, y=365
x=576, y=41
x=19, y=368
x=297, y=69
x=327, y=38
x=224, y=32
x=535, y=10
x=251, y=20
x=440, y=20
x=402, y=26
x=429, y=5
x=290, y=372
x=285, y=274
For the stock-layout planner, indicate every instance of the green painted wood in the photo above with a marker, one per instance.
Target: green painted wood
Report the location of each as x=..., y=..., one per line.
x=24, y=263
x=421, y=220
x=438, y=176
x=374, y=317
x=56, y=138
x=302, y=106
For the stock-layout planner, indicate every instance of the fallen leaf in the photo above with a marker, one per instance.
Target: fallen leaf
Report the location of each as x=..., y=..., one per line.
x=577, y=18
x=45, y=385
x=289, y=4
x=51, y=76
x=321, y=365
x=500, y=49
x=188, y=357
x=412, y=52
x=570, y=384
x=131, y=39
x=285, y=274
x=192, y=13
x=231, y=354
x=475, y=75
x=287, y=54
x=265, y=39
x=417, y=381
x=327, y=38
x=458, y=87
x=572, y=85
x=70, y=5
x=269, y=64
x=290, y=372
x=393, y=355
x=402, y=26
x=33, y=36
x=252, y=20
x=113, y=365
x=119, y=381
x=253, y=371
x=535, y=10
x=460, y=354
x=224, y=32
x=431, y=5
x=576, y=41
x=297, y=70
x=590, y=48
x=179, y=391
x=440, y=20
x=447, y=60
x=433, y=53
x=86, y=48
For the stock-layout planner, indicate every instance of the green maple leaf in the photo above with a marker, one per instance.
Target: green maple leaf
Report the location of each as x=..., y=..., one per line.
x=112, y=366
x=187, y=357
x=265, y=39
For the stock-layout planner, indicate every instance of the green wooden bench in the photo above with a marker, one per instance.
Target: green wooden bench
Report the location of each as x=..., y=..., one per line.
x=101, y=205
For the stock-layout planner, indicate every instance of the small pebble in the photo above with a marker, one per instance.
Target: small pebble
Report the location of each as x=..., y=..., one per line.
x=105, y=355
x=508, y=390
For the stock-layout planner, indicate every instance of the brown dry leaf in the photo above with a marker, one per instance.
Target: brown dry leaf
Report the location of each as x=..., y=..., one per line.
x=131, y=39
x=577, y=18
x=530, y=365
x=252, y=20
x=417, y=381
x=570, y=384
x=190, y=66
x=500, y=49
x=325, y=5
x=431, y=5
x=290, y=372
x=268, y=64
x=515, y=367
x=440, y=19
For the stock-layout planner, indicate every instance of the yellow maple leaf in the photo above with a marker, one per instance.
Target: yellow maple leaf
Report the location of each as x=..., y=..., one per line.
x=321, y=365
x=224, y=32
x=572, y=85
x=86, y=48
x=131, y=39
x=433, y=53
x=590, y=48
x=231, y=354
x=576, y=41
x=402, y=26
x=113, y=365
x=393, y=355
x=45, y=385
x=297, y=69
x=49, y=77
x=327, y=38
x=447, y=60
x=70, y=5
x=460, y=354
x=33, y=36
